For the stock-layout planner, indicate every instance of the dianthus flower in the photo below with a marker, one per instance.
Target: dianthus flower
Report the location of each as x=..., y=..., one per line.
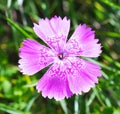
x=68, y=73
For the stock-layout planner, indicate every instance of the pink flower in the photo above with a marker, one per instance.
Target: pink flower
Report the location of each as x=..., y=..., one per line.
x=68, y=74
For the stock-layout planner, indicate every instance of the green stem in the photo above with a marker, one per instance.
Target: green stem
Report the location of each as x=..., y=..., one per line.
x=76, y=105
x=64, y=106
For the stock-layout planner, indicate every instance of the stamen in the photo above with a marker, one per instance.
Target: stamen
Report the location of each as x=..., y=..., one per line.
x=61, y=56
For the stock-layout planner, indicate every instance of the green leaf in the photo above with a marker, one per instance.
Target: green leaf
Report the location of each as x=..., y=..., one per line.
x=16, y=26
x=30, y=103
x=9, y=109
x=112, y=34
x=64, y=106
x=116, y=111
x=111, y=4
x=7, y=88
x=30, y=85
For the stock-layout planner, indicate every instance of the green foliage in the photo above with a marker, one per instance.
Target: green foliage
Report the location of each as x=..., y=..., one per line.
x=17, y=92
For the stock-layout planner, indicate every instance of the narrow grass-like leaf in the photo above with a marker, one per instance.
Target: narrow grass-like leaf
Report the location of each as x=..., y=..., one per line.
x=30, y=103
x=9, y=2
x=16, y=26
x=9, y=109
x=105, y=75
x=76, y=105
x=102, y=65
x=64, y=106
x=92, y=97
x=98, y=96
x=30, y=85
x=112, y=34
x=87, y=108
x=111, y=4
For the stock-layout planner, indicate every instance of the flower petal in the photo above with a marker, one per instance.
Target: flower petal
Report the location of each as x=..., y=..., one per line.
x=54, y=83
x=54, y=32
x=70, y=76
x=34, y=57
x=82, y=75
x=83, y=43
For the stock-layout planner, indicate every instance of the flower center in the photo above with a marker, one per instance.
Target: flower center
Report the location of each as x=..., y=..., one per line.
x=61, y=56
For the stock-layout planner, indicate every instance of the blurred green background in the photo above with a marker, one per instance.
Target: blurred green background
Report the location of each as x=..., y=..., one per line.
x=17, y=92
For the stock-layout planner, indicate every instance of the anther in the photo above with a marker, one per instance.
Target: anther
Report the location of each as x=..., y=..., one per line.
x=61, y=56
